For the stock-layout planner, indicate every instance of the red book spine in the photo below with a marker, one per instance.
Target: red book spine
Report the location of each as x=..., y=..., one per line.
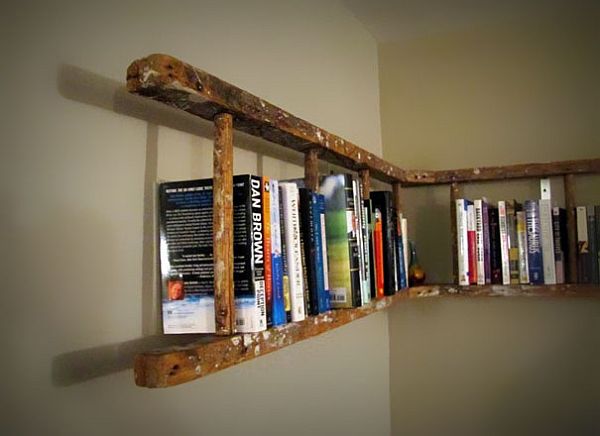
x=378, y=243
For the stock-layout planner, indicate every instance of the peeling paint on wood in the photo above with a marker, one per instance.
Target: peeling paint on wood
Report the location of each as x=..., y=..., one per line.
x=171, y=81
x=176, y=365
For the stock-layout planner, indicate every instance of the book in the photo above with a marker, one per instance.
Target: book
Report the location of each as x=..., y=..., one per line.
x=480, y=252
x=405, y=248
x=266, y=201
x=325, y=260
x=401, y=258
x=366, y=253
x=382, y=202
x=495, y=248
x=593, y=248
x=522, y=243
x=486, y=241
x=534, y=248
x=546, y=233
x=278, y=306
x=504, y=242
x=472, y=244
x=287, y=298
x=307, y=206
x=583, y=248
x=342, y=244
x=290, y=199
x=358, y=206
x=597, y=221
x=513, y=243
x=186, y=251
x=378, y=249
x=462, y=242
x=559, y=222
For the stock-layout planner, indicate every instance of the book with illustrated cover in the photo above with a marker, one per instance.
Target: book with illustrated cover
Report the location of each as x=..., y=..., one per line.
x=382, y=202
x=278, y=306
x=534, y=247
x=291, y=217
x=186, y=256
x=342, y=243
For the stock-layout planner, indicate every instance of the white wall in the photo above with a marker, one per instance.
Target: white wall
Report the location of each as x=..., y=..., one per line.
x=79, y=162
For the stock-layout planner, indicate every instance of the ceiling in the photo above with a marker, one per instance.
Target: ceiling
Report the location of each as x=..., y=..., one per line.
x=394, y=21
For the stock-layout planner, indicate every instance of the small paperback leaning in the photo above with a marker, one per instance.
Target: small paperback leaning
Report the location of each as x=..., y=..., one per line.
x=296, y=252
x=514, y=243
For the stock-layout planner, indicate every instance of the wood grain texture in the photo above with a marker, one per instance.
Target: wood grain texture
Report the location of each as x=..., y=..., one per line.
x=176, y=365
x=454, y=195
x=223, y=224
x=171, y=81
x=365, y=179
x=311, y=169
x=569, y=185
x=520, y=171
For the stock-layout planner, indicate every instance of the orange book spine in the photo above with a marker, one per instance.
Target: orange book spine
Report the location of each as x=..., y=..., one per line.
x=378, y=245
x=267, y=249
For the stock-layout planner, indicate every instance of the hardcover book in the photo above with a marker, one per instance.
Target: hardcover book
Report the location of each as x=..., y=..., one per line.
x=342, y=243
x=186, y=251
x=534, y=249
x=382, y=203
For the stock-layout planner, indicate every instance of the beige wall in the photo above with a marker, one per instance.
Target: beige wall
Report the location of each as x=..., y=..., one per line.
x=79, y=164
x=500, y=93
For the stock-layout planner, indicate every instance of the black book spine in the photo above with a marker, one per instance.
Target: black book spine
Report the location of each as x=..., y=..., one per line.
x=307, y=239
x=593, y=257
x=382, y=200
x=597, y=253
x=258, y=252
x=495, y=250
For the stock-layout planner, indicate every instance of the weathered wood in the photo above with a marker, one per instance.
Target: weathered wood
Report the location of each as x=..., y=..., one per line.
x=454, y=195
x=171, y=81
x=365, y=179
x=223, y=224
x=520, y=171
x=311, y=169
x=569, y=185
x=176, y=365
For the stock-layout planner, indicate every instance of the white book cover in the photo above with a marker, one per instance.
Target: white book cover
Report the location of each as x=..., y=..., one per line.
x=522, y=242
x=478, y=204
x=289, y=197
x=359, y=239
x=404, y=230
x=462, y=243
x=546, y=233
x=504, y=242
x=471, y=228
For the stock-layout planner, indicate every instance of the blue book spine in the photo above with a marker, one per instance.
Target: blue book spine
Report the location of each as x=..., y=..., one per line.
x=318, y=260
x=400, y=261
x=534, y=248
x=325, y=260
x=279, y=315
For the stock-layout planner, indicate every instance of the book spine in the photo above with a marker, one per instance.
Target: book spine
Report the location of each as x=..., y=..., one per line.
x=472, y=241
x=522, y=243
x=495, y=249
x=266, y=185
x=251, y=311
x=597, y=254
x=592, y=244
x=359, y=239
x=287, y=296
x=504, y=242
x=402, y=272
x=289, y=193
x=513, y=243
x=366, y=250
x=378, y=246
x=382, y=202
x=372, y=266
x=324, y=260
x=404, y=224
x=307, y=241
x=486, y=242
x=547, y=242
x=462, y=243
x=559, y=255
x=278, y=312
x=583, y=248
x=534, y=249
x=481, y=273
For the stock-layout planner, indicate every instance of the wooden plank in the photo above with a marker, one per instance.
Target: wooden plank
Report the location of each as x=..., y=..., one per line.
x=365, y=179
x=454, y=195
x=171, y=81
x=311, y=169
x=176, y=365
x=569, y=185
x=397, y=194
x=223, y=224
x=520, y=171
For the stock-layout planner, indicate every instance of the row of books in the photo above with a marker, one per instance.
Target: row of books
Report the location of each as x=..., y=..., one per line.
x=513, y=243
x=295, y=252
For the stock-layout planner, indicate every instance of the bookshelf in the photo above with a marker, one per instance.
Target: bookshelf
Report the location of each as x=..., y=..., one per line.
x=180, y=85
